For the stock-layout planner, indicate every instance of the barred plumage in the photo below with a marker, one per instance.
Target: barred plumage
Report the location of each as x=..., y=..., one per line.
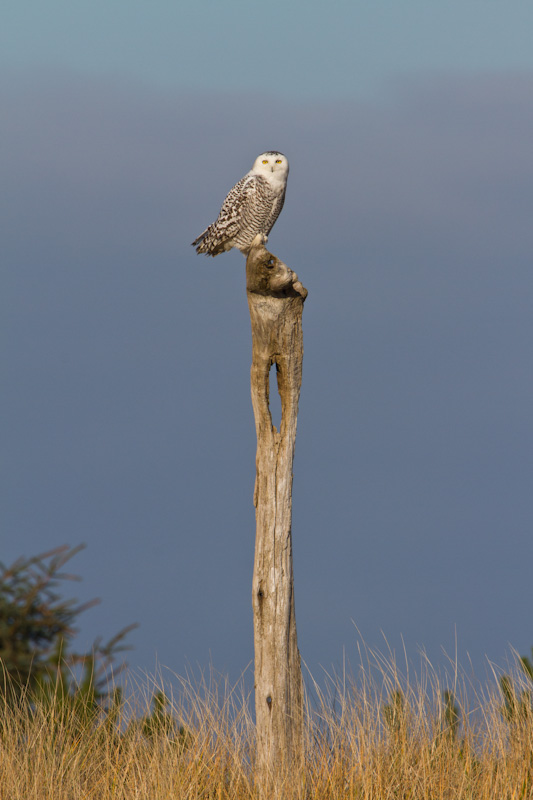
x=251, y=207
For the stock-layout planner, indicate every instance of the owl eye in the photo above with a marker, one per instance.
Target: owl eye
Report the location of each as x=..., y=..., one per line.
x=265, y=161
x=278, y=160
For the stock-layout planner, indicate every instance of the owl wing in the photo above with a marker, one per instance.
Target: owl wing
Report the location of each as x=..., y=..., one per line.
x=238, y=211
x=238, y=206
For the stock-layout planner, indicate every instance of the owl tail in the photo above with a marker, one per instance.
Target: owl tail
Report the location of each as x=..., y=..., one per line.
x=199, y=242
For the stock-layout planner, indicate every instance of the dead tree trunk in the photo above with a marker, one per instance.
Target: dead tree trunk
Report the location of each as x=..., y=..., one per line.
x=275, y=299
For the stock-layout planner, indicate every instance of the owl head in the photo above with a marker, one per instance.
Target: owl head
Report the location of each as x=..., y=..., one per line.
x=272, y=165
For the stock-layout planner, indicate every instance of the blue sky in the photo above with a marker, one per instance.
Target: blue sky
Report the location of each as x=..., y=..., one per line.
x=126, y=409
x=308, y=50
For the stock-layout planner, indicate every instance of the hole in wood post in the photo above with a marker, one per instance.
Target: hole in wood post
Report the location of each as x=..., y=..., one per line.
x=274, y=400
x=269, y=703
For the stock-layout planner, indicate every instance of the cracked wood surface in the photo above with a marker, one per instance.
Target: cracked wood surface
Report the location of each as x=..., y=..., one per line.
x=275, y=298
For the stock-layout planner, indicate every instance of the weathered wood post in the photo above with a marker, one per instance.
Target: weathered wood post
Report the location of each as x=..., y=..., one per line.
x=275, y=299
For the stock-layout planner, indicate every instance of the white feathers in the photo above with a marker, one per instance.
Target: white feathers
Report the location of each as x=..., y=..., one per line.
x=251, y=207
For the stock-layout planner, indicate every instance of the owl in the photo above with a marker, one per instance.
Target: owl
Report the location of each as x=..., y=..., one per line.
x=251, y=207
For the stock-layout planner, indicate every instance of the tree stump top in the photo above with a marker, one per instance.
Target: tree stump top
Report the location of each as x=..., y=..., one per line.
x=267, y=275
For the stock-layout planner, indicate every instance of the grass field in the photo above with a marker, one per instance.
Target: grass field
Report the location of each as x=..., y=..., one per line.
x=377, y=736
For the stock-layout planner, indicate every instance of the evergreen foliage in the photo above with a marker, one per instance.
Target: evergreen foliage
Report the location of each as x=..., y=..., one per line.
x=518, y=703
x=37, y=626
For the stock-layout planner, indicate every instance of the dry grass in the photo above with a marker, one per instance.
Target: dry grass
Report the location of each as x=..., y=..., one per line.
x=382, y=735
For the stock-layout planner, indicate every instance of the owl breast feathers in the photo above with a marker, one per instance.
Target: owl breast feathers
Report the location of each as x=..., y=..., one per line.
x=251, y=207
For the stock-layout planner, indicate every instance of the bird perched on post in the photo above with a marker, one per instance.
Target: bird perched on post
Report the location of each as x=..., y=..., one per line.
x=251, y=207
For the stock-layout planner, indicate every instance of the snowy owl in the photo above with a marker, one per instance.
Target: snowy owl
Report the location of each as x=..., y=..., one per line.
x=251, y=207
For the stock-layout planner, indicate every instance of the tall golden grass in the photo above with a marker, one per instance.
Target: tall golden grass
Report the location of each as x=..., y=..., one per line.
x=375, y=736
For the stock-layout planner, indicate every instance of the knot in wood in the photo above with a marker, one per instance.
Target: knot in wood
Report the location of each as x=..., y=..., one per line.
x=266, y=274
